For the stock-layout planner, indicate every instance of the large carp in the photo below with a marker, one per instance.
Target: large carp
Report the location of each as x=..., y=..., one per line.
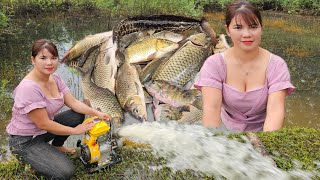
x=186, y=62
x=105, y=70
x=173, y=95
x=83, y=45
x=149, y=49
x=133, y=38
x=100, y=98
x=158, y=23
x=130, y=92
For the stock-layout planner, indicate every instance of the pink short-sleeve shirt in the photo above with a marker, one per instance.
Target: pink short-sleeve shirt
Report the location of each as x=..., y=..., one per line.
x=27, y=97
x=244, y=111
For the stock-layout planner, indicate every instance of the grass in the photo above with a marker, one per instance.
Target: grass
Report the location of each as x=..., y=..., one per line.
x=287, y=147
x=294, y=144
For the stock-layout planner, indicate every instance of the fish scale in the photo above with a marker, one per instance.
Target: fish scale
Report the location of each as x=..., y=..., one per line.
x=148, y=49
x=173, y=95
x=83, y=45
x=191, y=116
x=100, y=98
x=106, y=66
x=103, y=100
x=129, y=91
x=183, y=64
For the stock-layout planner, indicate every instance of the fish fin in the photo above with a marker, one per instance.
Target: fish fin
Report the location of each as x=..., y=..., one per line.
x=156, y=102
x=152, y=57
x=144, y=33
x=120, y=57
x=184, y=108
x=198, y=103
x=87, y=102
x=137, y=85
x=107, y=60
x=205, y=27
x=85, y=55
x=151, y=32
x=182, y=43
x=138, y=68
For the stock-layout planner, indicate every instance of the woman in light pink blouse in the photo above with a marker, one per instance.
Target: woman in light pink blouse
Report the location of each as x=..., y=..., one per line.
x=244, y=88
x=37, y=100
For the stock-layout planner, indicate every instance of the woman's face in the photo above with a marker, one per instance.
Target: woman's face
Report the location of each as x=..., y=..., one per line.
x=45, y=62
x=244, y=36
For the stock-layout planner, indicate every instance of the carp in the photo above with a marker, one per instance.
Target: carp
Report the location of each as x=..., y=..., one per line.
x=133, y=38
x=99, y=98
x=81, y=46
x=186, y=62
x=155, y=22
x=129, y=91
x=173, y=95
x=105, y=70
x=149, y=49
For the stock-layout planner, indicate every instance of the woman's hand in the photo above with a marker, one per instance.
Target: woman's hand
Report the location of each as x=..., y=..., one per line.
x=84, y=127
x=103, y=116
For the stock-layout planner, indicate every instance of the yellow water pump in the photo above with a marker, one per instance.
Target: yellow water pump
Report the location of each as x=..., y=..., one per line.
x=99, y=148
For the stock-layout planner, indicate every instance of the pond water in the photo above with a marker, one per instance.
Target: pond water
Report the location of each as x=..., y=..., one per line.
x=294, y=38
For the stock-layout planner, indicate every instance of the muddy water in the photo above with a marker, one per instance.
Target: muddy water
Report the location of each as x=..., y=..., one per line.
x=294, y=38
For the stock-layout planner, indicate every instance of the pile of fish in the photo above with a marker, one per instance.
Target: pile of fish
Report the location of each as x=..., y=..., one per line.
x=146, y=67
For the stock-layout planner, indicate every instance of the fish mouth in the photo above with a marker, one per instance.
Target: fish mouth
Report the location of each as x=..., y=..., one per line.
x=141, y=117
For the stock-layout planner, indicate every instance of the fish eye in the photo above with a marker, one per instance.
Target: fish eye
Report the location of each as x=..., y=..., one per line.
x=135, y=111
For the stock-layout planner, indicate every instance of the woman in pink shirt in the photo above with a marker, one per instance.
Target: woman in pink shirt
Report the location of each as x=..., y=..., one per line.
x=244, y=88
x=35, y=122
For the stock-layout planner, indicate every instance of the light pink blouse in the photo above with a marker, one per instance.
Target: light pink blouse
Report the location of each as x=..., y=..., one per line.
x=244, y=111
x=27, y=97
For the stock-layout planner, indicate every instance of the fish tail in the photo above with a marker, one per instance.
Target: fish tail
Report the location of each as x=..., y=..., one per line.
x=205, y=27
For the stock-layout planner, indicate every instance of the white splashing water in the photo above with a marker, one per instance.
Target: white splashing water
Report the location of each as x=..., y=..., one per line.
x=196, y=148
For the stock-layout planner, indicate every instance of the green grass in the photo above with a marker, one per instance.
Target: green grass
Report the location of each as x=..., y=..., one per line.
x=294, y=144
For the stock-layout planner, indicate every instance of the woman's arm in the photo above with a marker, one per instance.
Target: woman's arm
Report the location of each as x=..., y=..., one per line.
x=81, y=107
x=42, y=121
x=212, y=100
x=275, y=110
